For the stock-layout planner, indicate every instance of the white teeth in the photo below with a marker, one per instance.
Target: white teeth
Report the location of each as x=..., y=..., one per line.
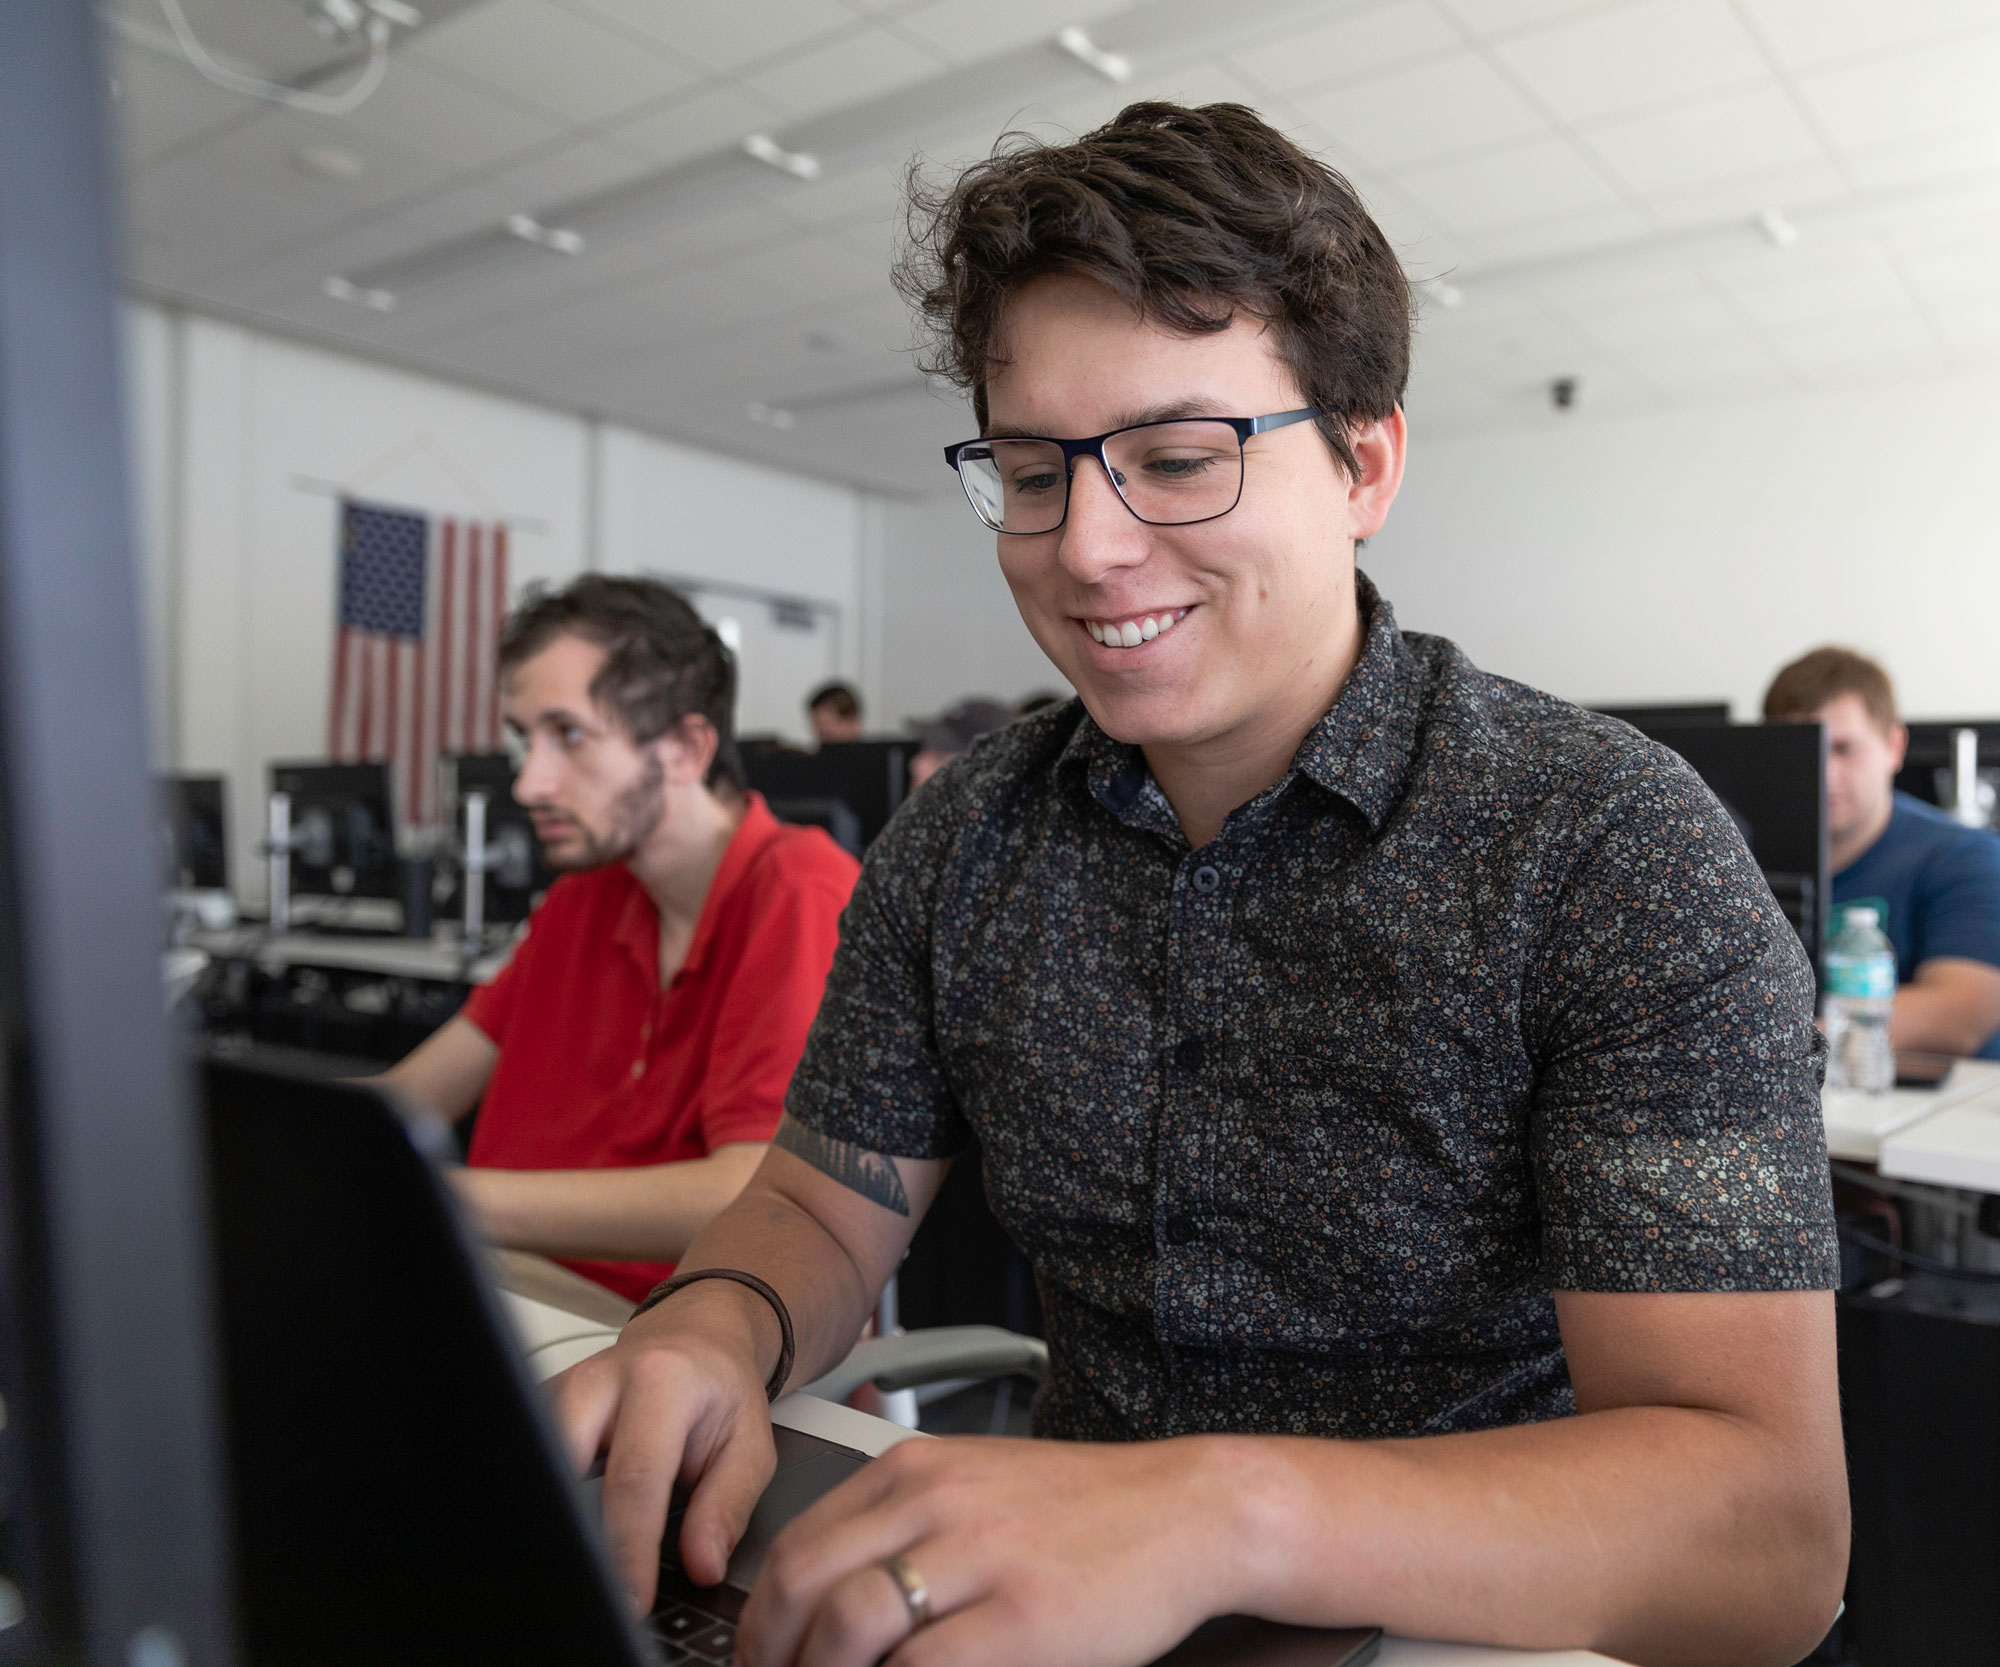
x=1128, y=634
x=1095, y=629
x=1149, y=628
x=1167, y=623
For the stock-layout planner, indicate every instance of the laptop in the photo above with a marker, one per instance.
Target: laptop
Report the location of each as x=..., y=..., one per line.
x=399, y=1493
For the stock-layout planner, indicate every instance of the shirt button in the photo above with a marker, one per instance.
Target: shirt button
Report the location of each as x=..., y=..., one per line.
x=1206, y=879
x=1180, y=1230
x=638, y=1068
x=1190, y=1055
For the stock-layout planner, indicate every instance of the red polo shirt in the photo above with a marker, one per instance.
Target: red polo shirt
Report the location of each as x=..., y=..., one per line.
x=600, y=1068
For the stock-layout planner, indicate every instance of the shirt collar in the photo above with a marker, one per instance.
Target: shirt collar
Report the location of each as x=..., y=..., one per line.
x=1360, y=750
x=638, y=930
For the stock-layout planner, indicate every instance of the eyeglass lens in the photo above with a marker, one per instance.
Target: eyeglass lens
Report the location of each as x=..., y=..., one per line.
x=1167, y=473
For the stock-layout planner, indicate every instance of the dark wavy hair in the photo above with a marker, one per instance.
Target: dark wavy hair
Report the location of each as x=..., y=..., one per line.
x=661, y=662
x=1192, y=216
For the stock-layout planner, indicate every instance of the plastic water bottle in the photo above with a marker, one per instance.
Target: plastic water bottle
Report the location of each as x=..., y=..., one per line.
x=1860, y=990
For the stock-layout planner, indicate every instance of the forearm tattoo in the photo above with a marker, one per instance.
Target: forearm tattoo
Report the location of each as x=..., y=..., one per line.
x=868, y=1173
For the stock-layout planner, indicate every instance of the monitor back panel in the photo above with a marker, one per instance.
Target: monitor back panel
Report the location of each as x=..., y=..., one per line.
x=397, y=1494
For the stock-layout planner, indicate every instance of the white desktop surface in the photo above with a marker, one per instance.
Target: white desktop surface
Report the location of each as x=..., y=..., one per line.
x=1857, y=1124
x=432, y=958
x=1957, y=1146
x=555, y=1339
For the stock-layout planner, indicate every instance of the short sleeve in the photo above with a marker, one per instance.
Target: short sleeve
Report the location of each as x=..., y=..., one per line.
x=1958, y=902
x=491, y=1005
x=774, y=990
x=1676, y=1135
x=871, y=1074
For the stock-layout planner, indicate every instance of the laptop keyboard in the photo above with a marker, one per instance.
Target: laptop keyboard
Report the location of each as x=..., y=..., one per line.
x=696, y=1625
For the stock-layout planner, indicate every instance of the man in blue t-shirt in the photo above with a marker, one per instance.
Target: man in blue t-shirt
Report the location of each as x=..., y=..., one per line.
x=1934, y=882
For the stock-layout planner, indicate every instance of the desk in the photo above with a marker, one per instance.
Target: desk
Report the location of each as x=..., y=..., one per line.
x=436, y=959
x=539, y=1296
x=1857, y=1124
x=1956, y=1146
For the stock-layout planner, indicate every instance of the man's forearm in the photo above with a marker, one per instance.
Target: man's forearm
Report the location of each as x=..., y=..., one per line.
x=1943, y=1019
x=1656, y=1534
x=650, y=1214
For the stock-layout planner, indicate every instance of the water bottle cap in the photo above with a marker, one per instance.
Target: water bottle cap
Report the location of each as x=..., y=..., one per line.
x=1863, y=917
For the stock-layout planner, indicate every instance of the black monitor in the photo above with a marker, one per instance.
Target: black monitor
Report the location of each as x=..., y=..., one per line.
x=1771, y=778
x=194, y=831
x=111, y=1528
x=344, y=825
x=870, y=778
x=1928, y=764
x=518, y=875
x=1646, y=719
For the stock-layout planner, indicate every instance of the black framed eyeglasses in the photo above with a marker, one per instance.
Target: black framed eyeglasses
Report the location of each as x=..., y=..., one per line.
x=1168, y=474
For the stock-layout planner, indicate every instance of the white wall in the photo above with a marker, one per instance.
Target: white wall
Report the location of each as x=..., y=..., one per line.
x=949, y=624
x=1689, y=555
x=242, y=443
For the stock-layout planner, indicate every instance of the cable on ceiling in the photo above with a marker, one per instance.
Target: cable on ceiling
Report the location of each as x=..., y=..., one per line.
x=343, y=103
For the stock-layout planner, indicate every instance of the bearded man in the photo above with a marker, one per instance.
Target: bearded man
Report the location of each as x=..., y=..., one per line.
x=630, y=1062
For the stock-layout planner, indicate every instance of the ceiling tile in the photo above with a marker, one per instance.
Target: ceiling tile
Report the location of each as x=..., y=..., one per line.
x=555, y=61
x=1726, y=366
x=1807, y=33
x=1357, y=45
x=1901, y=97
x=1956, y=278
x=564, y=174
x=1894, y=343
x=1970, y=153
x=1789, y=190
x=1538, y=243
x=964, y=31
x=1491, y=18
x=1690, y=315
x=1755, y=131
x=858, y=66
x=1971, y=329
x=723, y=36
x=434, y=115
x=1439, y=108
x=158, y=105
x=1544, y=179
x=1625, y=59
x=710, y=119
x=1794, y=295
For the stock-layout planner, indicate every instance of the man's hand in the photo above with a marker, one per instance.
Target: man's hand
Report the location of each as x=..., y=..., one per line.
x=679, y=1398
x=1951, y=1006
x=1083, y=1556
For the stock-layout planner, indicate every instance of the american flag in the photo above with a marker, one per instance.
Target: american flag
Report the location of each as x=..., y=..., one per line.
x=421, y=599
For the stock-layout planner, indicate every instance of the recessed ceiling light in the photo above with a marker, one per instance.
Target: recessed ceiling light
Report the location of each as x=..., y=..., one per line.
x=1111, y=66
x=1778, y=230
x=329, y=162
x=563, y=240
x=772, y=416
x=774, y=155
x=360, y=295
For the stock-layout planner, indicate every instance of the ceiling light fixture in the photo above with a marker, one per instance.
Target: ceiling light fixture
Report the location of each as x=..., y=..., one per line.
x=359, y=295
x=774, y=155
x=560, y=239
x=1112, y=66
x=329, y=162
x=772, y=416
x=1778, y=231
x=1446, y=295
x=356, y=20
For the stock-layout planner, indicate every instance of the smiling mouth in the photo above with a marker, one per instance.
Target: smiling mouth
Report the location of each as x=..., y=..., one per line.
x=1140, y=628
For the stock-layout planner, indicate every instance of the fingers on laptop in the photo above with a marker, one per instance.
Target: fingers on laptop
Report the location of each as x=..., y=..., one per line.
x=583, y=1400
x=647, y=1445
x=730, y=1481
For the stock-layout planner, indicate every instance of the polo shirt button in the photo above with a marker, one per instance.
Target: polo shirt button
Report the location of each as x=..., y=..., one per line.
x=1206, y=880
x=1180, y=1230
x=638, y=1068
x=1190, y=1055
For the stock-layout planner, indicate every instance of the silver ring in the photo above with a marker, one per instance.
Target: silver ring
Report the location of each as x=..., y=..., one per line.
x=916, y=1594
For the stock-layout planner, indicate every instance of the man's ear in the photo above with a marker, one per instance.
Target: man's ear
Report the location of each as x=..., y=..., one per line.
x=1899, y=744
x=1379, y=447
x=688, y=748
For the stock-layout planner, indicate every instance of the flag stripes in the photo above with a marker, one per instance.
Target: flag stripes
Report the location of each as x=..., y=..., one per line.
x=421, y=601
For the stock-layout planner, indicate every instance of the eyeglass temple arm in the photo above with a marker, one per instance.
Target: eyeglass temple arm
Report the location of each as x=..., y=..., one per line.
x=1283, y=419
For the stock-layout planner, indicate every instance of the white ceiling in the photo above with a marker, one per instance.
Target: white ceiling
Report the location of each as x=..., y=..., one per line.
x=1584, y=177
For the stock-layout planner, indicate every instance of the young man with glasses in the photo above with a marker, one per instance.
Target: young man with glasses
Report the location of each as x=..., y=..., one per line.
x=1402, y=1081
x=630, y=1061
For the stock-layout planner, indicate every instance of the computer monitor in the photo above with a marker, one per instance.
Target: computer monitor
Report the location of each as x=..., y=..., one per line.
x=344, y=829
x=111, y=1530
x=1930, y=763
x=194, y=831
x=871, y=778
x=517, y=875
x=1771, y=778
x=1646, y=719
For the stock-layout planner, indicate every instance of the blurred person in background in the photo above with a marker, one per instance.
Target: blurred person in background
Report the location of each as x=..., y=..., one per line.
x=835, y=713
x=943, y=738
x=1934, y=884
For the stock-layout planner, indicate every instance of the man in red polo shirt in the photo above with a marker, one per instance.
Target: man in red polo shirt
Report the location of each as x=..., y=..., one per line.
x=630, y=1062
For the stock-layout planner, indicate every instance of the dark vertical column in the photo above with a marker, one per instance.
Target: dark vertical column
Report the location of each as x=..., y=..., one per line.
x=113, y=1424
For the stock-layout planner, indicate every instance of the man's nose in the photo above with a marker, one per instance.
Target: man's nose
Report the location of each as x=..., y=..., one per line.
x=534, y=781
x=1099, y=533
